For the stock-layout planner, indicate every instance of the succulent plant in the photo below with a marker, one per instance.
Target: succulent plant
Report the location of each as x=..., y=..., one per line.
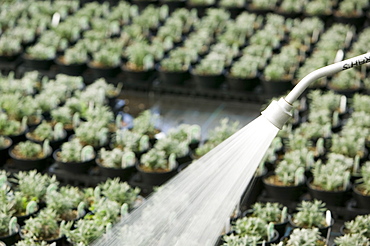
x=74, y=151
x=31, y=151
x=311, y=214
x=120, y=192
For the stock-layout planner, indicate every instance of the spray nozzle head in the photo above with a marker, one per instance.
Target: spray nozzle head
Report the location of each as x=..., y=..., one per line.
x=278, y=112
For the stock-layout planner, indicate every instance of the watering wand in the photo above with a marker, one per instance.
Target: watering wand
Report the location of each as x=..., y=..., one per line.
x=278, y=112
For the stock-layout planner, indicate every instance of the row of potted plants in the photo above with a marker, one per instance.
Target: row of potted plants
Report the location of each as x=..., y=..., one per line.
x=310, y=223
x=42, y=212
x=166, y=36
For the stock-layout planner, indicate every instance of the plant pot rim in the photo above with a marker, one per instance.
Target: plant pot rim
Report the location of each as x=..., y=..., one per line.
x=9, y=141
x=310, y=186
x=10, y=151
x=269, y=174
x=28, y=135
x=138, y=166
x=57, y=159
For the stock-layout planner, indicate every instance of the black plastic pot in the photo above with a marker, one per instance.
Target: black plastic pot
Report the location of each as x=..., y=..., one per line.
x=201, y=9
x=37, y=64
x=71, y=69
x=362, y=201
x=173, y=78
x=104, y=72
x=238, y=84
x=27, y=165
x=142, y=4
x=331, y=198
x=155, y=178
x=73, y=167
x=11, y=239
x=276, y=87
x=357, y=21
x=234, y=11
x=208, y=81
x=137, y=76
x=123, y=173
x=4, y=152
x=174, y=4
x=185, y=159
x=9, y=58
x=283, y=194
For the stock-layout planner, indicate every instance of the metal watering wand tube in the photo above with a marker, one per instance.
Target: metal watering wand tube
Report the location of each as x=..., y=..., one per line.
x=278, y=112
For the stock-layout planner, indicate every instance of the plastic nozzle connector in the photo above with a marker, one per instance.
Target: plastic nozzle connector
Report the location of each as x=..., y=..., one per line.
x=278, y=112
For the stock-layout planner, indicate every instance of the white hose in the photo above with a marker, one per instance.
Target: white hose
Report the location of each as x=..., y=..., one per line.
x=278, y=112
x=325, y=71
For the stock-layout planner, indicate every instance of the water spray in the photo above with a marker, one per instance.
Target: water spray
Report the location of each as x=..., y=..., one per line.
x=192, y=207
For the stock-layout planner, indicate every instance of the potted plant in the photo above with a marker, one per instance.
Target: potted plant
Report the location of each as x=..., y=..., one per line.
x=10, y=48
x=173, y=71
x=65, y=116
x=67, y=203
x=92, y=133
x=351, y=239
x=255, y=227
x=74, y=157
x=44, y=227
x=85, y=232
x=5, y=144
x=351, y=12
x=105, y=63
x=45, y=131
x=359, y=225
x=261, y=7
x=140, y=62
x=18, y=107
x=116, y=163
x=191, y=133
x=303, y=236
x=361, y=190
x=31, y=190
x=125, y=139
x=346, y=83
x=145, y=123
x=175, y=146
x=290, y=9
x=39, y=56
x=287, y=181
x=9, y=228
x=156, y=167
x=321, y=9
x=271, y=212
x=311, y=214
x=73, y=61
x=243, y=75
x=209, y=73
x=330, y=182
x=46, y=102
x=28, y=155
x=120, y=192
